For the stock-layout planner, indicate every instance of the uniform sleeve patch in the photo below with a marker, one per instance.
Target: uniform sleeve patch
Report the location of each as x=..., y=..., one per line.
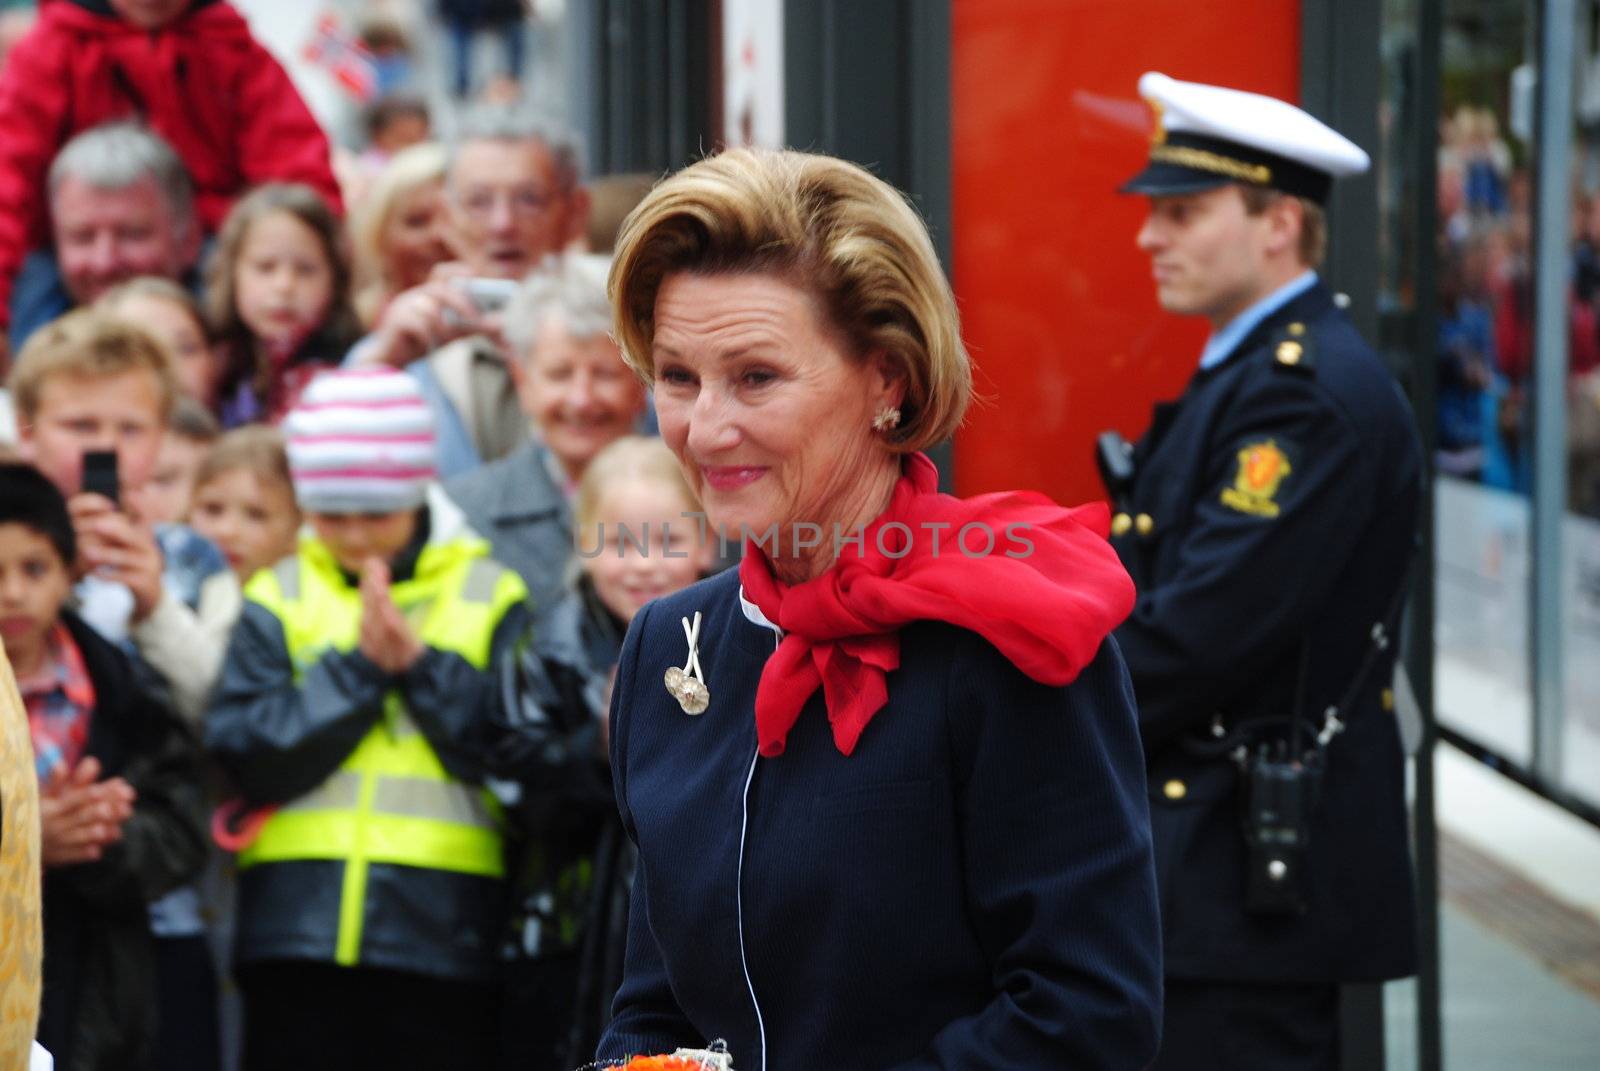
x=1263, y=467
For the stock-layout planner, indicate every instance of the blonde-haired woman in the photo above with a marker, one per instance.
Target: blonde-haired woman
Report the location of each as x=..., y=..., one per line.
x=399, y=234
x=885, y=778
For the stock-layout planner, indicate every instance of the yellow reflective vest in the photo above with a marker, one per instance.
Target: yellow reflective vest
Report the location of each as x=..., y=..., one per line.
x=391, y=801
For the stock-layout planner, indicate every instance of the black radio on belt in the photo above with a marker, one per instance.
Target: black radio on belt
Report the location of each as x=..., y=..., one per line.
x=1281, y=785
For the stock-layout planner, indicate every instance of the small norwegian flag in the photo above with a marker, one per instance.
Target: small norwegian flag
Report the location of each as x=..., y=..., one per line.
x=343, y=56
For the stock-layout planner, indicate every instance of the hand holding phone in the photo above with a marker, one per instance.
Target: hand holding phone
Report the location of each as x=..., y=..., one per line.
x=100, y=475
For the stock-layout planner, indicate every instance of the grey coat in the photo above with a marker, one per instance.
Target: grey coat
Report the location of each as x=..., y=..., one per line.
x=515, y=504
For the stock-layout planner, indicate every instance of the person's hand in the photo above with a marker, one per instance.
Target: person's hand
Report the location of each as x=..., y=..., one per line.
x=79, y=815
x=420, y=320
x=386, y=636
x=113, y=546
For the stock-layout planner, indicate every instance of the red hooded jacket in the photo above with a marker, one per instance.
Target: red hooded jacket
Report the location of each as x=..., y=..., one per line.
x=202, y=82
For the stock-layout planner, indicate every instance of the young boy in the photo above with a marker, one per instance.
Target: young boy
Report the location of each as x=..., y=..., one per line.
x=355, y=710
x=189, y=69
x=91, y=382
x=121, y=809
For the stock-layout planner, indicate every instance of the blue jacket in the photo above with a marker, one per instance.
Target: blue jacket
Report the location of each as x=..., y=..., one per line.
x=1276, y=505
x=972, y=889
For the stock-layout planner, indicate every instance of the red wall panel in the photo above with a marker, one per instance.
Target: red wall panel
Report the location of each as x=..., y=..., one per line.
x=1057, y=304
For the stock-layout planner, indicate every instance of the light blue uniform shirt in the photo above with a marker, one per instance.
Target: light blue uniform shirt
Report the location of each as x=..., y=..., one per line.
x=1223, y=342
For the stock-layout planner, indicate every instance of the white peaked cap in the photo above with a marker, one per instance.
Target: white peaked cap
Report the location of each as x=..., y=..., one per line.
x=1227, y=135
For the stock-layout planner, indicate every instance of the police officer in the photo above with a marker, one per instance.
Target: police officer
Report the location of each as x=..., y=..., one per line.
x=1267, y=518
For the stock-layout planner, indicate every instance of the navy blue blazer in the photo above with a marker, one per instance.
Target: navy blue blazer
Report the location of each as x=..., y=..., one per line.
x=1278, y=506
x=973, y=888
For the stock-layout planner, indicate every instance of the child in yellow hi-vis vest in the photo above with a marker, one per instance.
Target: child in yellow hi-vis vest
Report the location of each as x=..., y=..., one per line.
x=355, y=711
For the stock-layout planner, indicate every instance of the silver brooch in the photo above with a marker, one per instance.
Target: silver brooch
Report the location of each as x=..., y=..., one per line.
x=687, y=685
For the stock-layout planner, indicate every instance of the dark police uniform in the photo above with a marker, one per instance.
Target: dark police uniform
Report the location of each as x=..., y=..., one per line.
x=1269, y=526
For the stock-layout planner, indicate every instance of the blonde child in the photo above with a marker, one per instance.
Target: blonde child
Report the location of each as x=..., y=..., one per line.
x=171, y=313
x=278, y=300
x=244, y=500
x=92, y=382
x=634, y=544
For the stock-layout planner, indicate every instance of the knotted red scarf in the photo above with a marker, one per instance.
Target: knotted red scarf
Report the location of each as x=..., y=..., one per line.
x=1046, y=609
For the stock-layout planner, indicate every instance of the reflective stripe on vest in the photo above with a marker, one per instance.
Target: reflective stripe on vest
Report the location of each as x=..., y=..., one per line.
x=391, y=801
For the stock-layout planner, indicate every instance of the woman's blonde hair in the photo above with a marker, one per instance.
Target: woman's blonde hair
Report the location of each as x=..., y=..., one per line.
x=256, y=448
x=831, y=228
x=409, y=169
x=632, y=457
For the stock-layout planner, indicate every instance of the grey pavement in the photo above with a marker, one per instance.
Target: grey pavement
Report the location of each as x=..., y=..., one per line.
x=1502, y=1010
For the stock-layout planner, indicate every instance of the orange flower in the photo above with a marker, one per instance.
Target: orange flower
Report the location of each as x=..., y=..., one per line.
x=662, y=1063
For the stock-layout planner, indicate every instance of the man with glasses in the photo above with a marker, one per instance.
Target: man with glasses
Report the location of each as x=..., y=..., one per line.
x=513, y=195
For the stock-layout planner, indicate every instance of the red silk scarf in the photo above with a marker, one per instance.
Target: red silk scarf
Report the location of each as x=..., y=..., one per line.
x=1046, y=593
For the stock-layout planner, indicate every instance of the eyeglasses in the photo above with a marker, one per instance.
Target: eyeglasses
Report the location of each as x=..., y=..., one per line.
x=524, y=203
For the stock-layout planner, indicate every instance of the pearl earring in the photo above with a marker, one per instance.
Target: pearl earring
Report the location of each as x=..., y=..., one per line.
x=886, y=419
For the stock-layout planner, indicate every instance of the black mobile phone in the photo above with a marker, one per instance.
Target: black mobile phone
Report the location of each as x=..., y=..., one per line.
x=100, y=474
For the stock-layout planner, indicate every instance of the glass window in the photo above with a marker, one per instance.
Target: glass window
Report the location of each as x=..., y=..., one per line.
x=1484, y=358
x=1580, y=744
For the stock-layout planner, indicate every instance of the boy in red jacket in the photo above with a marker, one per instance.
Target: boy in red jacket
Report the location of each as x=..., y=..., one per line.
x=188, y=69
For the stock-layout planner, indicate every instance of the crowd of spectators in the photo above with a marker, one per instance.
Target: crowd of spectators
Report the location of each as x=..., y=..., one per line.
x=295, y=472
x=1486, y=316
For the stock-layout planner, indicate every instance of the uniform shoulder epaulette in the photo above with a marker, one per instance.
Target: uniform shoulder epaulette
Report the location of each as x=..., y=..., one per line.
x=1293, y=349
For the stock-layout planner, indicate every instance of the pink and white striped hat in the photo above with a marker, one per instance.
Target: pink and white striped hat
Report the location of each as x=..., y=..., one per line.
x=361, y=441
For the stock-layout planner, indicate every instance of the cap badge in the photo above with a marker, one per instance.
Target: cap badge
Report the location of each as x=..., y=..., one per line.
x=1158, y=135
x=1263, y=467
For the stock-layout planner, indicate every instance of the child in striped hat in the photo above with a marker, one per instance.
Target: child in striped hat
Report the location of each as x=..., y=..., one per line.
x=355, y=714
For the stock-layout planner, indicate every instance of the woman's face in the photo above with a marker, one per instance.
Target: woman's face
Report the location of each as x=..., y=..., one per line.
x=646, y=547
x=413, y=235
x=768, y=413
x=578, y=393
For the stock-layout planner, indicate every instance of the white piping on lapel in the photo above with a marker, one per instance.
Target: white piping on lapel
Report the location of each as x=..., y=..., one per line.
x=753, y=614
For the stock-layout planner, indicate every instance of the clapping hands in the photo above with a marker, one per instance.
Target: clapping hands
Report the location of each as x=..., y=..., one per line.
x=386, y=637
x=80, y=815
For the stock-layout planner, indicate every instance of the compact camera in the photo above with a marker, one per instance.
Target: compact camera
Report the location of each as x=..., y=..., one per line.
x=490, y=295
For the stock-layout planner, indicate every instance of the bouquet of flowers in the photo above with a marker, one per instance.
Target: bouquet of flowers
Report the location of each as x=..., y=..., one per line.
x=715, y=1058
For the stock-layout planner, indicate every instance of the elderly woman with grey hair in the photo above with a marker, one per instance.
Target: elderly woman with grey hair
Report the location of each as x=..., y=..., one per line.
x=578, y=396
